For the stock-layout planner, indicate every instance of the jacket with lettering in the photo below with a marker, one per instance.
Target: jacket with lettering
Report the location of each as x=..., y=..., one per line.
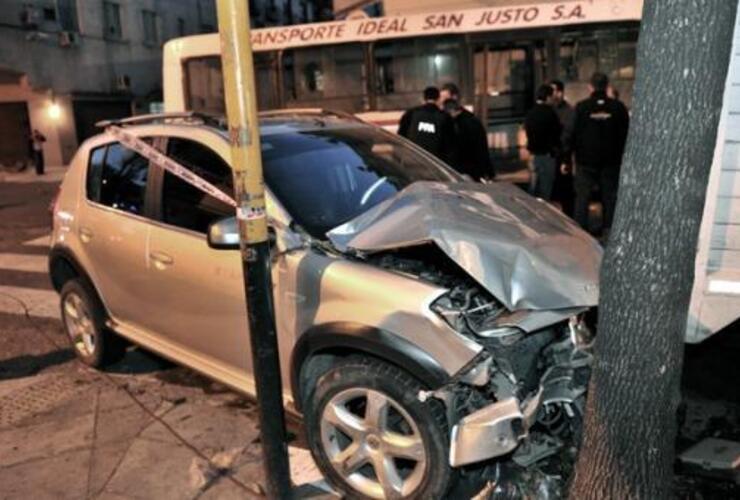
x=431, y=128
x=600, y=131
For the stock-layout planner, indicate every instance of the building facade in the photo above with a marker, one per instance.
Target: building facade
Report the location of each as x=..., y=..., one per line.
x=66, y=64
x=264, y=13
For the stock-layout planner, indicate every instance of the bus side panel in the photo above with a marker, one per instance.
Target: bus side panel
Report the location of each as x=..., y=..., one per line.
x=715, y=301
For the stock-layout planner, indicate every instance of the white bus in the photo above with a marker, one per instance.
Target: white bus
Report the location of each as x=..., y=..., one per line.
x=378, y=67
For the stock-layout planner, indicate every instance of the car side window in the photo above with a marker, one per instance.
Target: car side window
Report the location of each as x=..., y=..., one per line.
x=186, y=206
x=95, y=173
x=117, y=177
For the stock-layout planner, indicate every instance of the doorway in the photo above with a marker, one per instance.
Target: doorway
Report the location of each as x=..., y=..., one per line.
x=505, y=78
x=15, y=130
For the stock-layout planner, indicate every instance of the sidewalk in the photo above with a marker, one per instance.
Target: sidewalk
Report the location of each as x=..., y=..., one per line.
x=53, y=173
x=142, y=429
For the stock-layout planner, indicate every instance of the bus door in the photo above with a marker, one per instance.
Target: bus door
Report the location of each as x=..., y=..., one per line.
x=505, y=78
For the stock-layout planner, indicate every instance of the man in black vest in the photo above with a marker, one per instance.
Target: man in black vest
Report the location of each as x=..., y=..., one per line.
x=599, y=136
x=471, y=140
x=543, y=142
x=429, y=127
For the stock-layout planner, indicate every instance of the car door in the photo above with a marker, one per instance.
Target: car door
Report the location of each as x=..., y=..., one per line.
x=113, y=228
x=196, y=293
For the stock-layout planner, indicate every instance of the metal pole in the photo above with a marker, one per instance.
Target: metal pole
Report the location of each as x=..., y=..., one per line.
x=246, y=158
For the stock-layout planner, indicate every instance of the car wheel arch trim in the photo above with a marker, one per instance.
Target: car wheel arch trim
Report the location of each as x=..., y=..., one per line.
x=364, y=339
x=64, y=254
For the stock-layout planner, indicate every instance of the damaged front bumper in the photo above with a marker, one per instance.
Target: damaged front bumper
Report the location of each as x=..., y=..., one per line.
x=500, y=427
x=492, y=431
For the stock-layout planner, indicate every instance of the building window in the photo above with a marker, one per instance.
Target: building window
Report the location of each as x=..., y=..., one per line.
x=49, y=14
x=67, y=10
x=149, y=19
x=180, y=26
x=112, y=21
x=206, y=16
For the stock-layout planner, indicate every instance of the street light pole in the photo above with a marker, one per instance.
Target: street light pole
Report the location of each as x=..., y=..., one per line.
x=241, y=112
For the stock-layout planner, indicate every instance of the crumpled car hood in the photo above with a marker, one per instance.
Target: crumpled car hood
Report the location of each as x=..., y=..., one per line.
x=520, y=249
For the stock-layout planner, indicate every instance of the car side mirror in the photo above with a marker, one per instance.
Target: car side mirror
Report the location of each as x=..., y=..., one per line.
x=224, y=234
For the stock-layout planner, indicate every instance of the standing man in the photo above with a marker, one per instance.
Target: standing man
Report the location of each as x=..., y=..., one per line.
x=429, y=127
x=563, y=189
x=599, y=136
x=37, y=143
x=471, y=140
x=543, y=142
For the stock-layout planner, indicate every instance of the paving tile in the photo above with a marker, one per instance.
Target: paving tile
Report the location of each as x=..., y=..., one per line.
x=208, y=428
x=227, y=490
x=152, y=469
x=63, y=476
x=47, y=439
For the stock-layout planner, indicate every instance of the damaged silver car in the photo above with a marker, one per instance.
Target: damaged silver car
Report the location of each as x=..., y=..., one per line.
x=429, y=328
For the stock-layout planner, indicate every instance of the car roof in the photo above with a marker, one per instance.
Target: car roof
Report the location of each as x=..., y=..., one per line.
x=271, y=122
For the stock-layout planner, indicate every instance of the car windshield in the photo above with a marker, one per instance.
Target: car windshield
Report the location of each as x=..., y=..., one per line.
x=326, y=177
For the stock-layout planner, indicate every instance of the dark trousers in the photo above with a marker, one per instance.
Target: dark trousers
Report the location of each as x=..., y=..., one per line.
x=562, y=191
x=38, y=161
x=545, y=168
x=586, y=177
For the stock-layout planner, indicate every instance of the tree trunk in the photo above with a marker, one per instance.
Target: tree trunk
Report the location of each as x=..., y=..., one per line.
x=630, y=423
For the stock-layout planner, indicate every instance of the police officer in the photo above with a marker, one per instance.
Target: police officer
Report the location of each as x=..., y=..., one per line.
x=471, y=154
x=429, y=127
x=543, y=142
x=599, y=136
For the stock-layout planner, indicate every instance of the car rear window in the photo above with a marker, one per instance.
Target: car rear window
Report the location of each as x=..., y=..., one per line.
x=116, y=178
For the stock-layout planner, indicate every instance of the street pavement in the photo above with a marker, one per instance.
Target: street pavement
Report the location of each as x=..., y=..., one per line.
x=145, y=428
x=142, y=429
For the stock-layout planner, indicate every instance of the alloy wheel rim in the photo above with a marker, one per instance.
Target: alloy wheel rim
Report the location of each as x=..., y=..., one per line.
x=79, y=324
x=373, y=443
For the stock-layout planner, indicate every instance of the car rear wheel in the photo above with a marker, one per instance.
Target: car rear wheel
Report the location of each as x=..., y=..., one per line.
x=372, y=437
x=84, y=322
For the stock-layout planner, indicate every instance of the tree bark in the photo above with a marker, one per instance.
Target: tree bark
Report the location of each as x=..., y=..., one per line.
x=630, y=423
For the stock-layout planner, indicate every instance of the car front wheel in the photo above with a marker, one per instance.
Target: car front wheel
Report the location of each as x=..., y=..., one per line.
x=372, y=437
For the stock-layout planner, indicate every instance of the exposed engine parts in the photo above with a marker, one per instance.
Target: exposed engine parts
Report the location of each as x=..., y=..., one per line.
x=524, y=397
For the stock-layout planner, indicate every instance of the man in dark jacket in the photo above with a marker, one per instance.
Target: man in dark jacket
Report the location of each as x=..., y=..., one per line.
x=471, y=154
x=429, y=127
x=563, y=189
x=543, y=142
x=599, y=136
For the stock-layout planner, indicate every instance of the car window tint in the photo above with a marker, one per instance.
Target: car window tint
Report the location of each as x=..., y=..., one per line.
x=186, y=206
x=95, y=173
x=121, y=183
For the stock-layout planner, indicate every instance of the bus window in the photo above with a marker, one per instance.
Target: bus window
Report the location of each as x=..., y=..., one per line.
x=403, y=68
x=330, y=76
x=205, y=85
x=610, y=51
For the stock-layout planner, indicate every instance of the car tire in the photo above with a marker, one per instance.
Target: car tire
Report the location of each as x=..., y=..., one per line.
x=83, y=318
x=348, y=444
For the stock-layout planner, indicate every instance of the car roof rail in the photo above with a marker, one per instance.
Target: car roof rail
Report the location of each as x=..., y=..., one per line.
x=308, y=112
x=185, y=117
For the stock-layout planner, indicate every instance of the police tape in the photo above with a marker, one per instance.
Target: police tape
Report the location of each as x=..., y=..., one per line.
x=164, y=162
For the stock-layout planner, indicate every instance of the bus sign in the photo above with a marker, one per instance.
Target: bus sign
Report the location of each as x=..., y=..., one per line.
x=448, y=22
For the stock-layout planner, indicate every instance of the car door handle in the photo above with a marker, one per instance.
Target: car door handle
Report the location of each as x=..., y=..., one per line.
x=85, y=234
x=161, y=260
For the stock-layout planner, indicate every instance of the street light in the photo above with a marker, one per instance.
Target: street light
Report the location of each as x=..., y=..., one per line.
x=54, y=111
